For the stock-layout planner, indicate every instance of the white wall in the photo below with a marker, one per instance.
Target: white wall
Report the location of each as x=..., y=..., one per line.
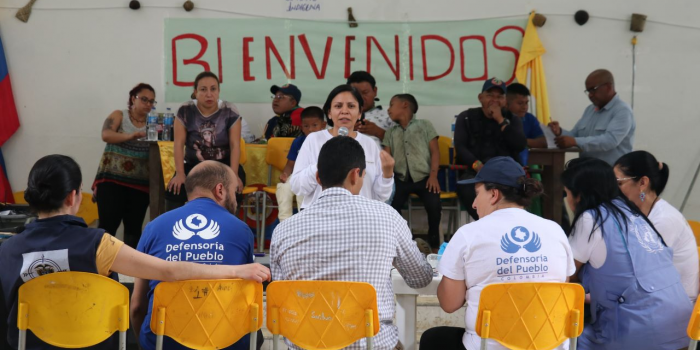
x=71, y=66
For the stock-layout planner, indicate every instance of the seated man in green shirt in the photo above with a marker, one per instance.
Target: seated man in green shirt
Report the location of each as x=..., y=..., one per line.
x=414, y=145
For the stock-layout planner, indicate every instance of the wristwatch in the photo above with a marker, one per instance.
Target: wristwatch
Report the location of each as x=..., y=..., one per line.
x=504, y=122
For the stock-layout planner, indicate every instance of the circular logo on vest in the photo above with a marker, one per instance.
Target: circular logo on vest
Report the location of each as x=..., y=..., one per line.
x=196, y=221
x=43, y=267
x=647, y=238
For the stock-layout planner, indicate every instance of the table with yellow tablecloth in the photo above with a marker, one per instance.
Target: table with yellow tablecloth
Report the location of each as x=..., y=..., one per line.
x=162, y=169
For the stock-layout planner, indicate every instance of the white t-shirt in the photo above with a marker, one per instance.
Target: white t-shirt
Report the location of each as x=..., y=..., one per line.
x=303, y=180
x=670, y=224
x=503, y=248
x=379, y=116
x=678, y=235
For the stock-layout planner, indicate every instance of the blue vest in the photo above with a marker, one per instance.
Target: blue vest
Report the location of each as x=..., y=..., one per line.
x=60, y=243
x=637, y=299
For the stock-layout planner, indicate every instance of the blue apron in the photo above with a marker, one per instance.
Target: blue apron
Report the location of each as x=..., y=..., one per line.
x=637, y=299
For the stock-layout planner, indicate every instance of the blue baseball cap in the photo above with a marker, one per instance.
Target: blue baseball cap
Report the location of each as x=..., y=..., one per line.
x=287, y=89
x=494, y=83
x=500, y=170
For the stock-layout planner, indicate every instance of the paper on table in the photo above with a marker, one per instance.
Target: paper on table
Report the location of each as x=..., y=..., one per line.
x=549, y=136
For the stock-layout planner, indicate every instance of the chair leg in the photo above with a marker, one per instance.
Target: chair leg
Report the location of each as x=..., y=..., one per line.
x=159, y=342
x=122, y=340
x=261, y=238
x=483, y=344
x=410, y=218
x=22, y=339
x=369, y=343
x=693, y=344
x=275, y=341
x=253, y=340
x=572, y=344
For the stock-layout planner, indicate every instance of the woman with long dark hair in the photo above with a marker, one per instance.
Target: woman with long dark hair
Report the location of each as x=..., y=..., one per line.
x=343, y=108
x=636, y=296
x=121, y=184
x=641, y=179
x=60, y=241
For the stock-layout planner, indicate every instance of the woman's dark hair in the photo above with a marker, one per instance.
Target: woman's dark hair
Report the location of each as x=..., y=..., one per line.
x=335, y=92
x=638, y=164
x=522, y=196
x=200, y=76
x=137, y=89
x=51, y=180
x=593, y=182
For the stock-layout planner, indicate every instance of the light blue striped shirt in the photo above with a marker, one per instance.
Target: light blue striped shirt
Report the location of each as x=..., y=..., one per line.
x=607, y=133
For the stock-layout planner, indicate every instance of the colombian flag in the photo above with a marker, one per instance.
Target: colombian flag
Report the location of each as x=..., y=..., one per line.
x=9, y=123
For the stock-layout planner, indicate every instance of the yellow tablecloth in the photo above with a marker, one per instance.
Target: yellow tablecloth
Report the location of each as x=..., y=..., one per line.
x=255, y=166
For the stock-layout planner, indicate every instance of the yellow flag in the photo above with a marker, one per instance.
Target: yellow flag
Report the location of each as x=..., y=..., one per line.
x=531, y=59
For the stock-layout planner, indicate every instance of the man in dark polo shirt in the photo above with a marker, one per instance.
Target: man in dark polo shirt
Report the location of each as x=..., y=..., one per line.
x=483, y=133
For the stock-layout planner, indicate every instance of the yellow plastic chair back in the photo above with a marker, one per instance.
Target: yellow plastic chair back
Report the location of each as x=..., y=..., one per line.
x=88, y=209
x=318, y=315
x=19, y=197
x=73, y=309
x=277, y=150
x=531, y=315
x=244, y=156
x=207, y=314
x=695, y=226
x=445, y=143
x=694, y=326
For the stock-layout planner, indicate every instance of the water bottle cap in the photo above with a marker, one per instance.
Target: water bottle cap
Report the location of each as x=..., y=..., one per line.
x=343, y=131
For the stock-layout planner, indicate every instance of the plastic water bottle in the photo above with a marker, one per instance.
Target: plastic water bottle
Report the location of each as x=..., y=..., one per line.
x=168, y=120
x=152, y=125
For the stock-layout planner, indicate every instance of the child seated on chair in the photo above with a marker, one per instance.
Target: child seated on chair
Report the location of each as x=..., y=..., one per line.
x=312, y=120
x=414, y=145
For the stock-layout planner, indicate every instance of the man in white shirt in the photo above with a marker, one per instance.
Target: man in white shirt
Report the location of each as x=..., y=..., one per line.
x=506, y=245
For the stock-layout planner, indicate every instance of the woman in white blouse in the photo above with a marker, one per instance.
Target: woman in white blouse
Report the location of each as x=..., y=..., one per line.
x=343, y=108
x=642, y=179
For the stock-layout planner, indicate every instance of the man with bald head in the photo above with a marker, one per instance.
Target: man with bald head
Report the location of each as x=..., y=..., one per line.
x=606, y=130
x=205, y=231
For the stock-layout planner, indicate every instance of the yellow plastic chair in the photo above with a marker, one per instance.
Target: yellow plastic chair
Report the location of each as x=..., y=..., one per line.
x=524, y=316
x=694, y=326
x=449, y=199
x=248, y=190
x=73, y=309
x=319, y=315
x=275, y=156
x=695, y=226
x=207, y=314
x=87, y=210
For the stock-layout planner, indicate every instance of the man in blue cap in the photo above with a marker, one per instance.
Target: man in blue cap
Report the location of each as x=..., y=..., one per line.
x=507, y=245
x=287, y=119
x=486, y=132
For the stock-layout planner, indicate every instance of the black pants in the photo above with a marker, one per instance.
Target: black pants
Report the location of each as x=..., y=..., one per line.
x=117, y=203
x=174, y=201
x=430, y=200
x=467, y=194
x=439, y=338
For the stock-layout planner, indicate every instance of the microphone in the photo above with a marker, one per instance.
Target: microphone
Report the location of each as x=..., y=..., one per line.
x=343, y=131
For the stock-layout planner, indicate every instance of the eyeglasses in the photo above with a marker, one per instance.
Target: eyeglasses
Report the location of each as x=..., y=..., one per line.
x=593, y=89
x=280, y=97
x=145, y=100
x=622, y=180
